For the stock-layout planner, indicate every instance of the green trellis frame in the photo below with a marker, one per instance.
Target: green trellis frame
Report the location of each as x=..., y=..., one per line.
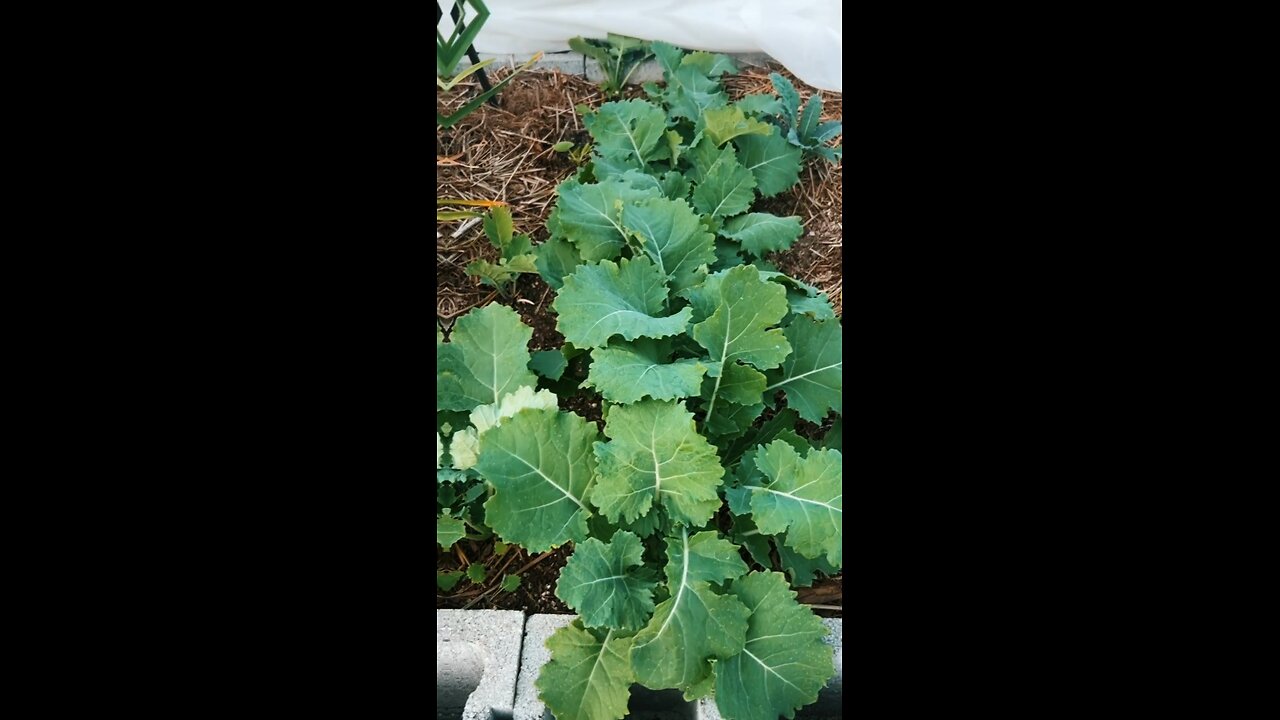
x=449, y=51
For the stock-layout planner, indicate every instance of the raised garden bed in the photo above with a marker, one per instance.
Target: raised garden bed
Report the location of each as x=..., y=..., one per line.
x=538, y=140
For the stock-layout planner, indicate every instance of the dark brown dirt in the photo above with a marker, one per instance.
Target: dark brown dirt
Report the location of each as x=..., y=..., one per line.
x=587, y=404
x=536, y=593
x=532, y=299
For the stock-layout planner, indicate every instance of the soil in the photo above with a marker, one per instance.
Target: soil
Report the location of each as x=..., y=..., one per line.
x=505, y=153
x=538, y=575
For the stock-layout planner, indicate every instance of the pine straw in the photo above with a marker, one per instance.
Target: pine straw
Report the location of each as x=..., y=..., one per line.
x=505, y=153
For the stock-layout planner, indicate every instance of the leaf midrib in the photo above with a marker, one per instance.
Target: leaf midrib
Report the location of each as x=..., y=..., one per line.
x=684, y=577
x=804, y=500
x=603, y=646
x=543, y=475
x=802, y=375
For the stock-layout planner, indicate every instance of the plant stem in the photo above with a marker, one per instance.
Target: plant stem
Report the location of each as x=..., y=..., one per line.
x=712, y=405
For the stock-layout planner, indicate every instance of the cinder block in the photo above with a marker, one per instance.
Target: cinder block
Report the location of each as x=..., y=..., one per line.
x=533, y=655
x=477, y=660
x=829, y=698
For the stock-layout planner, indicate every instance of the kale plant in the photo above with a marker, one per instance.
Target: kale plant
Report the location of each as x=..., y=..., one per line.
x=515, y=252
x=704, y=363
x=619, y=56
x=802, y=129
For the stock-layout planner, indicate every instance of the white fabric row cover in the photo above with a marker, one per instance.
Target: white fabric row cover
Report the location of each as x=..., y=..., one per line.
x=803, y=35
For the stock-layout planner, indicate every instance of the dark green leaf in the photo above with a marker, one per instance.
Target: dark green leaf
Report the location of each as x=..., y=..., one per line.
x=497, y=276
x=727, y=420
x=449, y=531
x=790, y=98
x=589, y=676
x=605, y=299
x=628, y=130
x=556, y=258
x=737, y=383
x=812, y=377
x=784, y=421
x=834, y=438
x=756, y=543
x=808, y=125
x=802, y=570
x=590, y=216
x=628, y=372
x=446, y=581
x=671, y=234
x=727, y=255
x=762, y=233
x=674, y=185
x=487, y=359
x=499, y=227
x=696, y=625
x=710, y=64
x=801, y=496
x=783, y=663
x=541, y=466
x=774, y=162
x=473, y=493
x=727, y=188
x=607, y=583
x=655, y=457
x=549, y=364
x=760, y=105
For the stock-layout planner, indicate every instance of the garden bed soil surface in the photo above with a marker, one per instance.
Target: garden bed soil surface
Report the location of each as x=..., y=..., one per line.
x=538, y=576
x=504, y=153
